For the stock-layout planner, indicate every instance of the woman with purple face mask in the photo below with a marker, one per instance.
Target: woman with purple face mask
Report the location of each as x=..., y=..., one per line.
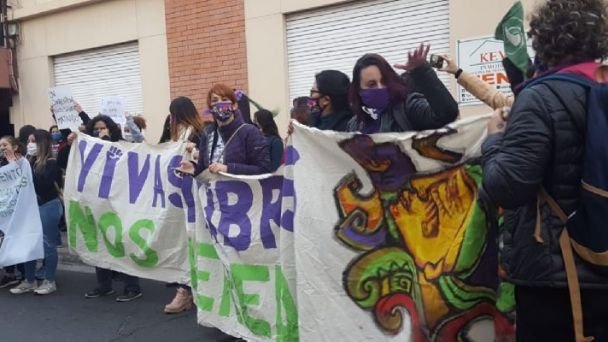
x=382, y=101
x=229, y=144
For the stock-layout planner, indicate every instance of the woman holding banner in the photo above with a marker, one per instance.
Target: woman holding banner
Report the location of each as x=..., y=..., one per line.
x=103, y=127
x=185, y=124
x=47, y=181
x=228, y=145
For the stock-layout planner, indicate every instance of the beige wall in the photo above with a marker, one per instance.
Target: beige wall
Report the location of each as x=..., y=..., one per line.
x=53, y=27
x=267, y=51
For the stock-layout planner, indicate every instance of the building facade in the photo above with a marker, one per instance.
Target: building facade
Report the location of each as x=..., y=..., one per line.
x=153, y=50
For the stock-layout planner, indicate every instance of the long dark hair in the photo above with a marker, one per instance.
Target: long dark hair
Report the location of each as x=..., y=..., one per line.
x=390, y=79
x=335, y=85
x=115, y=132
x=43, y=141
x=24, y=133
x=265, y=120
x=184, y=114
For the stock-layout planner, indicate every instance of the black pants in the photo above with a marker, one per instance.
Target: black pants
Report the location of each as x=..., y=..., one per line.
x=545, y=314
x=104, y=280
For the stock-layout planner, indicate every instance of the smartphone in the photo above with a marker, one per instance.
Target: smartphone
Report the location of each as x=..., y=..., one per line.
x=437, y=61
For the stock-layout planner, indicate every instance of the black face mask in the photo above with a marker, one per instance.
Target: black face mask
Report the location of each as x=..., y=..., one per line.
x=315, y=107
x=95, y=134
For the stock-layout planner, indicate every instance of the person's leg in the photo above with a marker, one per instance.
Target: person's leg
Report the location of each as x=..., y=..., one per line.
x=131, y=283
x=182, y=301
x=29, y=284
x=104, y=279
x=104, y=284
x=9, y=278
x=543, y=314
x=50, y=213
x=595, y=313
x=132, y=290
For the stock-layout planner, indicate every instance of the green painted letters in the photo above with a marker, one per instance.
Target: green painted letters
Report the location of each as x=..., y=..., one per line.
x=86, y=222
x=134, y=233
x=107, y=220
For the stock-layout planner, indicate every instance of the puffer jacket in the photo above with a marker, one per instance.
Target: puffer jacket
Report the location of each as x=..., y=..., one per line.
x=245, y=152
x=543, y=146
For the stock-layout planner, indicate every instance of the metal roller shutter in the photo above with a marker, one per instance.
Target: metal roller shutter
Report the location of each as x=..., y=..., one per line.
x=335, y=37
x=108, y=71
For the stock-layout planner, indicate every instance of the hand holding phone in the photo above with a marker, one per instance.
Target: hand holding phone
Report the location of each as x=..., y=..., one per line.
x=437, y=61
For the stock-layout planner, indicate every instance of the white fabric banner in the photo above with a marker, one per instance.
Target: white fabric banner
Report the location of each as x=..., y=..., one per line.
x=390, y=242
x=356, y=238
x=20, y=225
x=238, y=261
x=127, y=210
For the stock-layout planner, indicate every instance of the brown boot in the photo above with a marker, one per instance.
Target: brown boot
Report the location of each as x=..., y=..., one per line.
x=181, y=302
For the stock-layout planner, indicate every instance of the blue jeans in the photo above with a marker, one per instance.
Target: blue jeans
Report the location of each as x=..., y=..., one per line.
x=50, y=214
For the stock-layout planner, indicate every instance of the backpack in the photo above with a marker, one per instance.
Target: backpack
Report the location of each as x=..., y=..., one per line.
x=586, y=230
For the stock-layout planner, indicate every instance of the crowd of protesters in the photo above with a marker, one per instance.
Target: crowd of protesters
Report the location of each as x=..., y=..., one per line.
x=539, y=146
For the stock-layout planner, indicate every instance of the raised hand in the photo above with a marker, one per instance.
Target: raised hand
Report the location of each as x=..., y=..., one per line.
x=415, y=59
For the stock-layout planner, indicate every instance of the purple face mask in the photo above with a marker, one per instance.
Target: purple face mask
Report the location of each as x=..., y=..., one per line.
x=378, y=99
x=222, y=111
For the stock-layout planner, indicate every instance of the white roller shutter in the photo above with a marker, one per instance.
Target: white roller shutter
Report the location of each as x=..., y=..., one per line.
x=335, y=37
x=108, y=71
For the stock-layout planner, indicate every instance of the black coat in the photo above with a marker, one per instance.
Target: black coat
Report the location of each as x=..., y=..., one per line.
x=543, y=146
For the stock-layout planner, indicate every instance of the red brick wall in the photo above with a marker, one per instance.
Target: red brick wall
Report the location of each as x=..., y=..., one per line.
x=206, y=43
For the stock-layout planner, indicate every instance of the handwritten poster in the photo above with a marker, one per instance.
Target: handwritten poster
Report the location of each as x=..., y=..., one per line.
x=64, y=107
x=114, y=107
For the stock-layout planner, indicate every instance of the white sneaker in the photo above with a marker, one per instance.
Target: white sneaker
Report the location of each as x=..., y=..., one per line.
x=47, y=287
x=24, y=287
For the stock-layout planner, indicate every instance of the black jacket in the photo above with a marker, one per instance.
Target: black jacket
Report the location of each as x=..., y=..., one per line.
x=337, y=121
x=543, y=146
x=429, y=105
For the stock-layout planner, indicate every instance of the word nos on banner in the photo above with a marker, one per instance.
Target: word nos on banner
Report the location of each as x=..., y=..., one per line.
x=391, y=242
x=240, y=269
x=128, y=210
x=64, y=108
x=20, y=225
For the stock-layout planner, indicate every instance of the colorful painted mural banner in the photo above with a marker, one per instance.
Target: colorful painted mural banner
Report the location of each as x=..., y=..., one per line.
x=391, y=227
x=356, y=238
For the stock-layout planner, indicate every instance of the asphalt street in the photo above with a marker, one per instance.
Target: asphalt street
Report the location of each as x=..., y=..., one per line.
x=67, y=316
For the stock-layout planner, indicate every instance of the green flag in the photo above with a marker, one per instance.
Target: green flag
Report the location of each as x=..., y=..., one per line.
x=511, y=31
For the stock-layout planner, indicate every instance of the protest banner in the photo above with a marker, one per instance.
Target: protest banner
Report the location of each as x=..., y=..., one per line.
x=64, y=108
x=127, y=210
x=355, y=238
x=483, y=58
x=238, y=260
x=391, y=243
x=114, y=107
x=20, y=225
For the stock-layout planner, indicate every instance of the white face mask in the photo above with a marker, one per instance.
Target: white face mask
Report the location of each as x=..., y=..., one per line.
x=32, y=149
